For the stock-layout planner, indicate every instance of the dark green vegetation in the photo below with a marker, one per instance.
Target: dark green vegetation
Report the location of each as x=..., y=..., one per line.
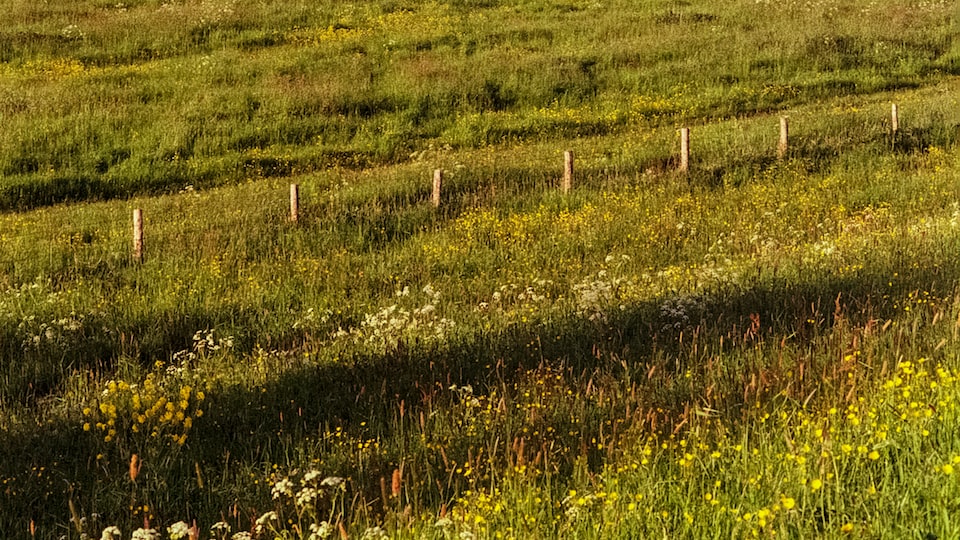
x=763, y=346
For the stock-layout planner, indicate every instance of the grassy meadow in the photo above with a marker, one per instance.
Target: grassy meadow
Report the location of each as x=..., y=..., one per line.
x=764, y=346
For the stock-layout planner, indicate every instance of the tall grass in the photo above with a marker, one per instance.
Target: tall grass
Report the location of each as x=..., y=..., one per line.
x=219, y=92
x=761, y=347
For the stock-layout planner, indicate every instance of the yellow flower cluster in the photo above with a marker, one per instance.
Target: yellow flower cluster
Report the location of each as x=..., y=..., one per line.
x=160, y=407
x=56, y=69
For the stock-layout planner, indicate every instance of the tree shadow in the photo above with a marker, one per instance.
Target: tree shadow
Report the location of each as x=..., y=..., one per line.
x=363, y=393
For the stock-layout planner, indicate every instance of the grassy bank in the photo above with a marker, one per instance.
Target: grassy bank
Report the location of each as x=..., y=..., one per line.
x=762, y=347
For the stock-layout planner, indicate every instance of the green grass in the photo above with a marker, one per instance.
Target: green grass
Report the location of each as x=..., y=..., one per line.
x=761, y=347
x=215, y=93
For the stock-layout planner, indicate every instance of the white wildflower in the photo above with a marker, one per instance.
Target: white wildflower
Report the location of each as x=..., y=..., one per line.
x=110, y=533
x=311, y=475
x=320, y=531
x=145, y=534
x=307, y=496
x=374, y=533
x=263, y=520
x=178, y=530
x=283, y=487
x=334, y=481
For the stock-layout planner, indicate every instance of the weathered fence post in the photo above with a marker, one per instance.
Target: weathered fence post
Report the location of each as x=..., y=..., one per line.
x=684, y=149
x=294, y=202
x=784, y=137
x=138, y=235
x=567, y=171
x=894, y=119
x=437, y=183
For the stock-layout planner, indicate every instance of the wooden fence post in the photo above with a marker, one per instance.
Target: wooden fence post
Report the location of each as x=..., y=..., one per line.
x=437, y=182
x=784, y=137
x=567, y=171
x=684, y=149
x=294, y=202
x=894, y=119
x=138, y=235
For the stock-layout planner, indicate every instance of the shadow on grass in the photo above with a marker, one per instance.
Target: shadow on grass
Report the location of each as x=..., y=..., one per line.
x=647, y=347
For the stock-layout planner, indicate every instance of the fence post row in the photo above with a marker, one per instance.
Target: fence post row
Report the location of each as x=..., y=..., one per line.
x=566, y=186
x=437, y=184
x=294, y=202
x=138, y=235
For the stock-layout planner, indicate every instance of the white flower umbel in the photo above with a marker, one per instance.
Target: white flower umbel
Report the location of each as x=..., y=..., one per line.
x=145, y=534
x=282, y=488
x=374, y=533
x=320, y=531
x=307, y=496
x=178, y=530
x=309, y=477
x=263, y=520
x=334, y=481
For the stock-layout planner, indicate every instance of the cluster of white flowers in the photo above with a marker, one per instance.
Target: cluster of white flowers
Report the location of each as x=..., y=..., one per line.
x=205, y=343
x=313, y=487
x=282, y=488
x=310, y=489
x=374, y=533
x=145, y=534
x=311, y=318
x=221, y=529
x=307, y=496
x=36, y=334
x=596, y=295
x=334, y=482
x=394, y=324
x=72, y=31
x=178, y=530
x=213, y=13
x=677, y=313
x=263, y=521
x=320, y=531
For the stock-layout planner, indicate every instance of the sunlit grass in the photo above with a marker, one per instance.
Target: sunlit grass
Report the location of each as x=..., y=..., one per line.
x=762, y=347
